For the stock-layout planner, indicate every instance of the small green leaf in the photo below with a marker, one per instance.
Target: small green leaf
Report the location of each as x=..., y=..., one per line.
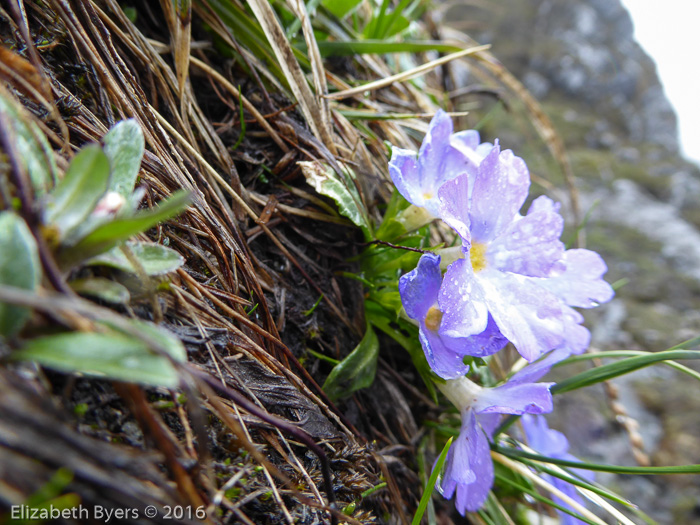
x=340, y=8
x=108, y=235
x=154, y=258
x=430, y=486
x=76, y=195
x=326, y=182
x=33, y=149
x=164, y=338
x=19, y=266
x=102, y=288
x=124, y=146
x=390, y=26
x=357, y=370
x=111, y=355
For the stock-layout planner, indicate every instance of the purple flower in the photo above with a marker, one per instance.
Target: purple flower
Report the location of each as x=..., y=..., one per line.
x=468, y=471
x=443, y=155
x=515, y=270
x=578, y=279
x=554, y=444
x=419, y=294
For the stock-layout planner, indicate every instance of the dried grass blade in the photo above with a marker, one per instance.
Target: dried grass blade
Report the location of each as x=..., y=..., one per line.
x=319, y=72
x=545, y=129
x=249, y=107
x=537, y=480
x=183, y=38
x=406, y=75
x=297, y=81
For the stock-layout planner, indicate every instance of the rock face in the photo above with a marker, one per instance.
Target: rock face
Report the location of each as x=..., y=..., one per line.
x=601, y=91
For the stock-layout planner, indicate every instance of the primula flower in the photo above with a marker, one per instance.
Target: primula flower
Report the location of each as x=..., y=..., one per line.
x=515, y=270
x=419, y=294
x=443, y=155
x=516, y=280
x=469, y=469
x=554, y=444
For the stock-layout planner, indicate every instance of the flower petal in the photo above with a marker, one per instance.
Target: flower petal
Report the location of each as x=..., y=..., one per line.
x=541, y=438
x=471, y=496
x=461, y=300
x=419, y=287
x=438, y=161
x=577, y=337
x=457, y=467
x=405, y=173
x=445, y=362
x=515, y=398
x=581, y=283
x=454, y=206
x=469, y=144
x=530, y=245
x=484, y=344
x=489, y=423
x=499, y=191
x=526, y=314
x=540, y=368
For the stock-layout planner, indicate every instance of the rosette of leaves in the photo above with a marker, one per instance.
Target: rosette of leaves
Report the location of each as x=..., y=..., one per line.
x=88, y=218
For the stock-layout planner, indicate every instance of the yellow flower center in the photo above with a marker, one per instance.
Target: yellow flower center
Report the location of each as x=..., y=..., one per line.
x=477, y=255
x=433, y=319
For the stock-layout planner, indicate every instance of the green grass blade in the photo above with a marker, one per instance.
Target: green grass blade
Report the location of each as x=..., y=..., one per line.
x=375, y=25
x=573, y=480
x=613, y=469
x=611, y=354
x=379, y=47
x=430, y=487
x=542, y=499
x=609, y=371
x=385, y=28
x=494, y=512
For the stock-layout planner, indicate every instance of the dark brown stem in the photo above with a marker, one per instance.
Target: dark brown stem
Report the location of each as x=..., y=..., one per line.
x=395, y=246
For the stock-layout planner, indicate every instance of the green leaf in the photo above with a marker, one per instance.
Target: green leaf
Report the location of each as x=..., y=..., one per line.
x=74, y=197
x=614, y=469
x=340, y=8
x=19, y=266
x=34, y=151
x=625, y=366
x=357, y=370
x=326, y=182
x=160, y=336
x=154, y=258
x=430, y=486
x=404, y=333
x=390, y=26
x=102, y=288
x=124, y=146
x=106, y=236
x=111, y=355
x=329, y=48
